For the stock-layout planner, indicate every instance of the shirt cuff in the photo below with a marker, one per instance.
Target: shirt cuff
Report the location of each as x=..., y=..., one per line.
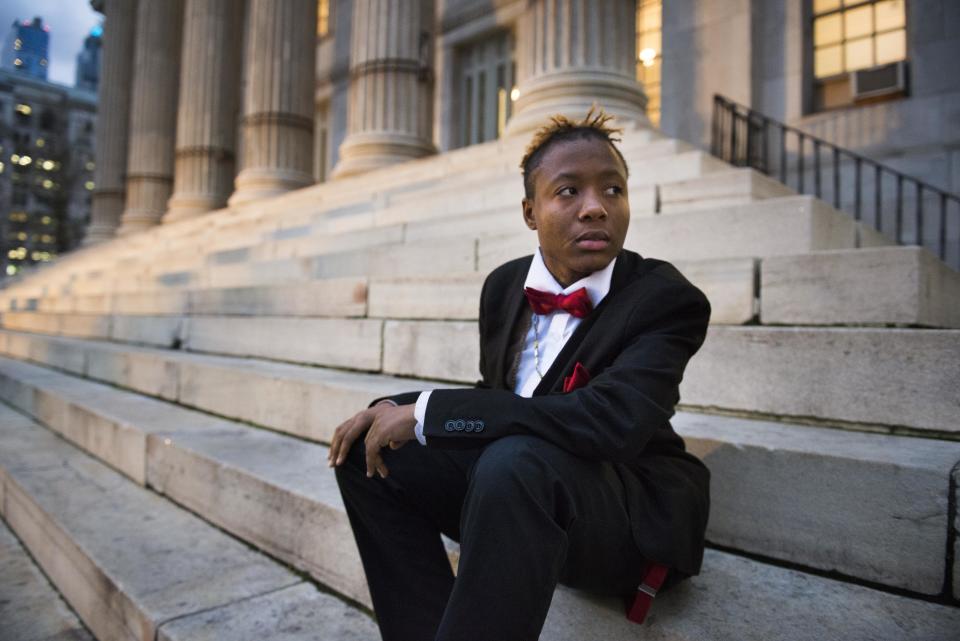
x=420, y=413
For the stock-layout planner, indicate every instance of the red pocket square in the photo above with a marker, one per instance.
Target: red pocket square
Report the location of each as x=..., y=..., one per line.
x=578, y=379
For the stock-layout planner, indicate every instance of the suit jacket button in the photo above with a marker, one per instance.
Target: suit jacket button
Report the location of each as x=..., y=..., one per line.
x=449, y=426
x=460, y=425
x=469, y=427
x=478, y=426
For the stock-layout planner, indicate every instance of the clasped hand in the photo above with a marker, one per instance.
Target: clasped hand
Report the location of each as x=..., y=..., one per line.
x=385, y=424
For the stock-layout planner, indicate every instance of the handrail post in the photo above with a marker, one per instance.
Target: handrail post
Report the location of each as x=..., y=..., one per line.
x=816, y=168
x=836, y=177
x=919, y=214
x=800, y=163
x=857, y=184
x=899, y=219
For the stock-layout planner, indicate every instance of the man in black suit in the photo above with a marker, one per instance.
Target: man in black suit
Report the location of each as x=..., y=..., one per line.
x=561, y=465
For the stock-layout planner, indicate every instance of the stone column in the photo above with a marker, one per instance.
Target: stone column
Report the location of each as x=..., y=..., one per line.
x=112, y=119
x=390, y=114
x=572, y=53
x=278, y=99
x=207, y=113
x=153, y=115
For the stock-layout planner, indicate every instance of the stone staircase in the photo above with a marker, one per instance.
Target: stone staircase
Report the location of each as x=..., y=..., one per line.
x=169, y=397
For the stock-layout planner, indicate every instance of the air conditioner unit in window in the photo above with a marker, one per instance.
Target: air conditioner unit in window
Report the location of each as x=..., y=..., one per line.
x=879, y=81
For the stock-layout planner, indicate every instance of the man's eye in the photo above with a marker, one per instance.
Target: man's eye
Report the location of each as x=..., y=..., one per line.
x=614, y=190
x=567, y=191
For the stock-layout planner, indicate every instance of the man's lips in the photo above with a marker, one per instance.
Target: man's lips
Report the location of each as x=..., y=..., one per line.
x=593, y=240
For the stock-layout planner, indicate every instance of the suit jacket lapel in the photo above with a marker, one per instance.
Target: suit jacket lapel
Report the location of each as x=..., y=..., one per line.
x=553, y=378
x=514, y=303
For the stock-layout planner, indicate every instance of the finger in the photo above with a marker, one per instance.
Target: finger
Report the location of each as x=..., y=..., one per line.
x=356, y=427
x=382, y=470
x=373, y=447
x=335, y=442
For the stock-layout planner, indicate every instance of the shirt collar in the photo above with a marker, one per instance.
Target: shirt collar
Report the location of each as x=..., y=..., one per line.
x=597, y=284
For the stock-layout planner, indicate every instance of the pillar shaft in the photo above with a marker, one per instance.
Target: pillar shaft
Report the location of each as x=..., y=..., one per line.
x=153, y=114
x=572, y=53
x=390, y=98
x=278, y=100
x=112, y=119
x=208, y=108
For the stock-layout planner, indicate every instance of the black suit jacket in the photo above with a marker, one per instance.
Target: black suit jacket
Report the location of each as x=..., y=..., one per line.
x=635, y=345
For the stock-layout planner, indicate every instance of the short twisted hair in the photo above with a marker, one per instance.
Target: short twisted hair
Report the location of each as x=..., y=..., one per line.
x=562, y=129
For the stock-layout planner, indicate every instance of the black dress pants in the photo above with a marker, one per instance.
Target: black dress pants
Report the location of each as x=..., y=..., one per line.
x=527, y=514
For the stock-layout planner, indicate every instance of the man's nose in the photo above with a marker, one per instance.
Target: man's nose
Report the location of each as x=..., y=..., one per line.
x=592, y=208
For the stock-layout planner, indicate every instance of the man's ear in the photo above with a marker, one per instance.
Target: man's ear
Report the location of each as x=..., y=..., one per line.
x=528, y=218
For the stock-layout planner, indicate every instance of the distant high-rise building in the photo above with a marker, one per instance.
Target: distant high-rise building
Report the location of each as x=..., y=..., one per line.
x=88, y=61
x=46, y=168
x=26, y=48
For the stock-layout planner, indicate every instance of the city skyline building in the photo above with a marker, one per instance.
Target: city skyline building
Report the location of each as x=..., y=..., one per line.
x=88, y=61
x=46, y=168
x=26, y=48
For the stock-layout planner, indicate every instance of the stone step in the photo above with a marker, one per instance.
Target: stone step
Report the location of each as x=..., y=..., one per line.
x=425, y=198
x=892, y=378
x=454, y=198
x=131, y=563
x=873, y=506
x=785, y=226
x=30, y=609
x=273, y=242
x=729, y=284
x=719, y=189
x=326, y=297
x=874, y=286
x=307, y=402
x=857, y=503
x=878, y=377
x=877, y=286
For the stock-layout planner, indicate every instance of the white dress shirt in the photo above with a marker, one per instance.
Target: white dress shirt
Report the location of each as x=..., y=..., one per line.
x=554, y=330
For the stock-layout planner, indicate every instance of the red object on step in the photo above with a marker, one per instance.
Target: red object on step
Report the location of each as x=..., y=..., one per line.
x=652, y=580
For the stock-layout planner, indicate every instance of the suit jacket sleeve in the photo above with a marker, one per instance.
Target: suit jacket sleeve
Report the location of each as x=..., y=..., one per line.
x=623, y=405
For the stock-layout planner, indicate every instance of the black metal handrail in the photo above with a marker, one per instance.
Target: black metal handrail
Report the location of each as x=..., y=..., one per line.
x=746, y=138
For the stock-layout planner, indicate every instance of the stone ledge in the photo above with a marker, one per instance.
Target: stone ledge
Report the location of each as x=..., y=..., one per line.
x=839, y=501
x=880, y=286
x=885, y=377
x=30, y=609
x=125, y=559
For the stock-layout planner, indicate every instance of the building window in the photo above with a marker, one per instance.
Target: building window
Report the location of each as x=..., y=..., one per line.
x=323, y=18
x=649, y=54
x=486, y=91
x=857, y=48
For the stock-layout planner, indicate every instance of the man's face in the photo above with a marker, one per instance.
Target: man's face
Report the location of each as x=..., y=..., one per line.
x=579, y=208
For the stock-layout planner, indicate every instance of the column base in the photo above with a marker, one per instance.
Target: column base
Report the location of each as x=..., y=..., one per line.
x=107, y=213
x=572, y=93
x=184, y=206
x=134, y=222
x=365, y=152
x=257, y=184
x=98, y=234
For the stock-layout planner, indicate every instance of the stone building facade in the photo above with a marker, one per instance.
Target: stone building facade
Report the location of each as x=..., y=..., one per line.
x=227, y=101
x=46, y=168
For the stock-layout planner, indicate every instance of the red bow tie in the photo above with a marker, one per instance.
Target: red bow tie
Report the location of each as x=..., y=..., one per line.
x=576, y=303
